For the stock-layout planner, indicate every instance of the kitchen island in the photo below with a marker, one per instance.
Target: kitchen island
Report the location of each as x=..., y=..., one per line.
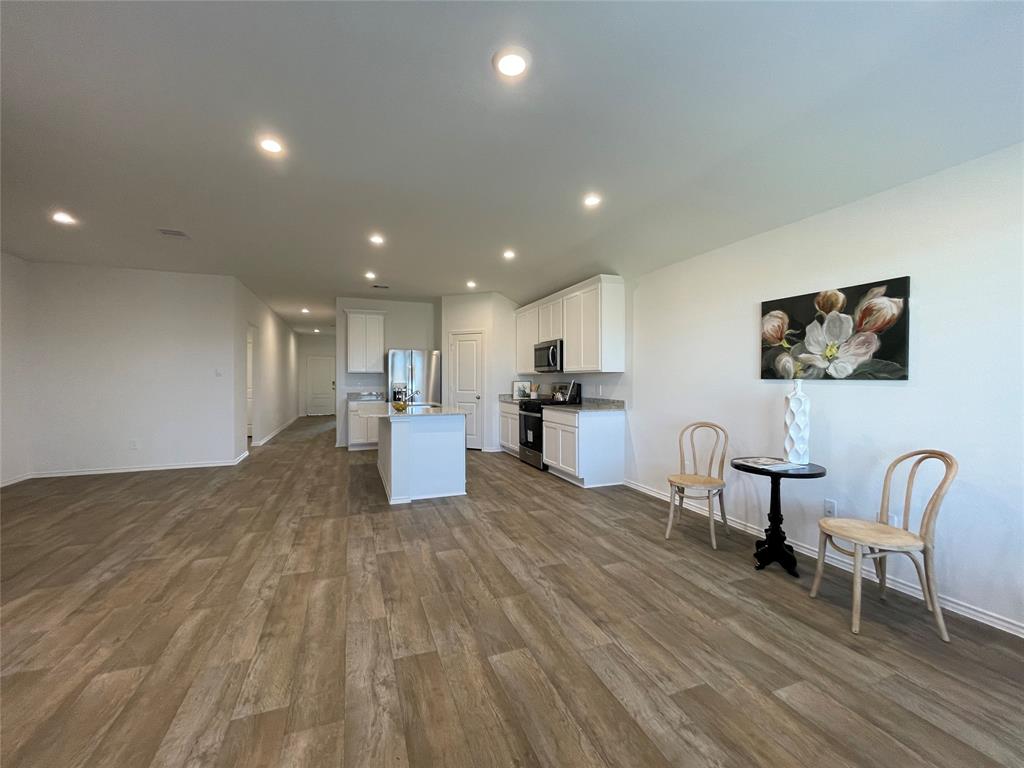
x=421, y=452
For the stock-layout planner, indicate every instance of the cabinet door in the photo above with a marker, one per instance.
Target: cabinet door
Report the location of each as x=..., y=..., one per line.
x=526, y=337
x=509, y=431
x=551, y=445
x=567, y=449
x=372, y=428
x=572, y=359
x=555, y=310
x=374, y=346
x=356, y=343
x=590, y=329
x=544, y=322
x=356, y=428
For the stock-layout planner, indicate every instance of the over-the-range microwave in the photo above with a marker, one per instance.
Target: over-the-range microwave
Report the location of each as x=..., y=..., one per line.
x=547, y=356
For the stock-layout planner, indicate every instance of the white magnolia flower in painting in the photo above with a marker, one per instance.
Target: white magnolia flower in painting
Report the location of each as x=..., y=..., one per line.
x=834, y=348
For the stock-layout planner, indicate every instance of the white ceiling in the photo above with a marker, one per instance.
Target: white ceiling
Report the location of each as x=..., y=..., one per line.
x=700, y=123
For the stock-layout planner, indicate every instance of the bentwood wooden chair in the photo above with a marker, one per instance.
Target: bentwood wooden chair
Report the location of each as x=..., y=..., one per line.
x=702, y=478
x=875, y=541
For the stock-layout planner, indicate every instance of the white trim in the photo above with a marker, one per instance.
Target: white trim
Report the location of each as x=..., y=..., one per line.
x=491, y=450
x=845, y=563
x=118, y=470
x=17, y=479
x=360, y=446
x=275, y=433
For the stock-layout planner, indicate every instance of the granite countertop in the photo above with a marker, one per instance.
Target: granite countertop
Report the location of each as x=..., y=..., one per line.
x=415, y=411
x=365, y=396
x=594, y=404
x=588, y=404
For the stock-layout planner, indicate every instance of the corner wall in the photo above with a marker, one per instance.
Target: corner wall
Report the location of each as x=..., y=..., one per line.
x=16, y=364
x=696, y=352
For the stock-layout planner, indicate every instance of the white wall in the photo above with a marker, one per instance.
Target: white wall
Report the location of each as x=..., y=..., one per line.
x=696, y=343
x=120, y=369
x=275, y=366
x=311, y=345
x=407, y=325
x=493, y=314
x=123, y=358
x=16, y=398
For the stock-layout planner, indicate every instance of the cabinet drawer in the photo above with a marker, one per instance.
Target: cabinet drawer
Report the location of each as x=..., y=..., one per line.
x=509, y=409
x=555, y=415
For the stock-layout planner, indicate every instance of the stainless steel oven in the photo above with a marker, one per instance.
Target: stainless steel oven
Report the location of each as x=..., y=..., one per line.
x=531, y=433
x=547, y=356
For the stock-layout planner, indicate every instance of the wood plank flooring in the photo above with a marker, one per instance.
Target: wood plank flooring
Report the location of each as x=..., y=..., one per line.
x=280, y=613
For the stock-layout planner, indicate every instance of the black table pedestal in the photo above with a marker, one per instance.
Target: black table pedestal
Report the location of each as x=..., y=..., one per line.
x=773, y=547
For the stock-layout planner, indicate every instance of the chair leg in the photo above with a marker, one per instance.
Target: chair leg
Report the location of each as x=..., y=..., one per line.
x=923, y=580
x=929, y=570
x=822, y=544
x=880, y=572
x=711, y=520
x=671, y=510
x=721, y=508
x=858, y=567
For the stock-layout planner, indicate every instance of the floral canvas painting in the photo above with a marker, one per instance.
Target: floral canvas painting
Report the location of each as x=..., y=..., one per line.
x=859, y=332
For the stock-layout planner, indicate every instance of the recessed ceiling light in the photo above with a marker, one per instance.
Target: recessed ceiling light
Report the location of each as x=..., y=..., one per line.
x=509, y=254
x=470, y=284
x=371, y=275
x=305, y=310
x=511, y=62
x=316, y=330
x=271, y=145
x=377, y=238
x=591, y=199
x=63, y=217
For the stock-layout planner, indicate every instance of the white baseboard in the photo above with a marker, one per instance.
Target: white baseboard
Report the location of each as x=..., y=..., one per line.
x=119, y=470
x=275, y=433
x=839, y=560
x=17, y=479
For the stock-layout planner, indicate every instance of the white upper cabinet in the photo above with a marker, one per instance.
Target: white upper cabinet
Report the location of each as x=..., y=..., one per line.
x=365, y=341
x=526, y=337
x=590, y=318
x=549, y=320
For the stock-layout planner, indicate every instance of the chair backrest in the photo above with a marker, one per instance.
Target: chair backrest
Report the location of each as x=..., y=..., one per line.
x=931, y=508
x=715, y=464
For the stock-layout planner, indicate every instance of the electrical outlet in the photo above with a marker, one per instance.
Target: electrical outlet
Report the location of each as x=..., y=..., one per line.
x=830, y=507
x=133, y=445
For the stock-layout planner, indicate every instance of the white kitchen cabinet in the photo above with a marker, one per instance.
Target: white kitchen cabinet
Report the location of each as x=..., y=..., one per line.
x=356, y=428
x=589, y=317
x=552, y=445
x=365, y=341
x=527, y=335
x=585, y=447
x=549, y=320
x=508, y=423
x=571, y=359
x=364, y=423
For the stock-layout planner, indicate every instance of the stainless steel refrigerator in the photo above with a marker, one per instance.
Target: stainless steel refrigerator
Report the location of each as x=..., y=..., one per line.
x=415, y=373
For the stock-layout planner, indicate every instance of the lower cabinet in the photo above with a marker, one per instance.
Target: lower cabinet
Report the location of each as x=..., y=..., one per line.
x=364, y=423
x=508, y=427
x=585, y=447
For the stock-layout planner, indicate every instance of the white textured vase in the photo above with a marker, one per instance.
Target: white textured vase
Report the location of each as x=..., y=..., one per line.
x=798, y=425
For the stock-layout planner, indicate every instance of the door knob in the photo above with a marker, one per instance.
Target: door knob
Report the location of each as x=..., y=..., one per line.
x=478, y=397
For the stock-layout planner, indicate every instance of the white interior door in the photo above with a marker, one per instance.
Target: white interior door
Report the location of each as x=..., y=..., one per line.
x=466, y=353
x=319, y=386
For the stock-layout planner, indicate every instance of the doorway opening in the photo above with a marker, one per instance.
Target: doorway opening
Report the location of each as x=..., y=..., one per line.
x=250, y=383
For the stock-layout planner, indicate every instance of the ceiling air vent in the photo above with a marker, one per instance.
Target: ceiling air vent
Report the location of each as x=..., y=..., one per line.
x=174, y=233
x=382, y=287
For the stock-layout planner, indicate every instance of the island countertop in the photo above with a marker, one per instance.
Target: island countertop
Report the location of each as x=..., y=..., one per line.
x=424, y=409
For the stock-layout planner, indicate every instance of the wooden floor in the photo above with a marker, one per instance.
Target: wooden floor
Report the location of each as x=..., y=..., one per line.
x=279, y=613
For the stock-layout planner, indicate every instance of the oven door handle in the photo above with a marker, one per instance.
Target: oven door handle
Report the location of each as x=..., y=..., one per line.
x=530, y=415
